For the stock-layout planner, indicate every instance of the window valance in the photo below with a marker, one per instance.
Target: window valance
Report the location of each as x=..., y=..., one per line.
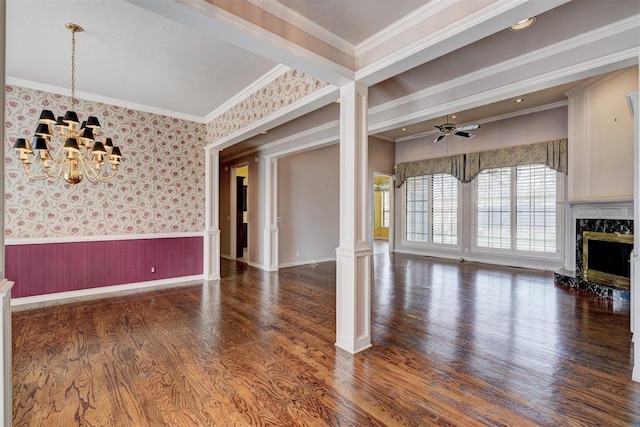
x=465, y=167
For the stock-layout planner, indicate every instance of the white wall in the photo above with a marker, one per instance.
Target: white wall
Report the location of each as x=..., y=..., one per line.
x=308, y=206
x=601, y=139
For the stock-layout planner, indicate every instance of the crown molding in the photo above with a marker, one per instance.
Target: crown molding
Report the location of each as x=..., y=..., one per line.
x=445, y=34
x=414, y=18
x=102, y=99
x=559, y=76
x=303, y=23
x=536, y=55
x=258, y=84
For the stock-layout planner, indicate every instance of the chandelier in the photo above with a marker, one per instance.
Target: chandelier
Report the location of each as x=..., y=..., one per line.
x=80, y=153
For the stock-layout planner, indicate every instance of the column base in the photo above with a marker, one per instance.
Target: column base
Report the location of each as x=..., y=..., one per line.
x=211, y=255
x=271, y=248
x=353, y=298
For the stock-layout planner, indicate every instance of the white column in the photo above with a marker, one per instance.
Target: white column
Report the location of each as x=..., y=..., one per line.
x=353, y=281
x=212, y=215
x=5, y=285
x=271, y=214
x=5, y=351
x=635, y=256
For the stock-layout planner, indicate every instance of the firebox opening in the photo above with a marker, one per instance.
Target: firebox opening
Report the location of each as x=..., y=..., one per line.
x=606, y=258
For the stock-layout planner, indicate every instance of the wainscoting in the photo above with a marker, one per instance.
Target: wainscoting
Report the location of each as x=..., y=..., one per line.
x=46, y=268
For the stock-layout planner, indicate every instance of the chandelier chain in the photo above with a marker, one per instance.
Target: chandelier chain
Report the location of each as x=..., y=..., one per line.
x=73, y=69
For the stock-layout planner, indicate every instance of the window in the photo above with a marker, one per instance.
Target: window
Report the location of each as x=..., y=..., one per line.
x=431, y=209
x=444, y=209
x=385, y=209
x=536, y=208
x=494, y=208
x=417, y=203
x=516, y=209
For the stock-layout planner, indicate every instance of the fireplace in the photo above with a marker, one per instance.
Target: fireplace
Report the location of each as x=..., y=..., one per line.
x=606, y=258
x=602, y=268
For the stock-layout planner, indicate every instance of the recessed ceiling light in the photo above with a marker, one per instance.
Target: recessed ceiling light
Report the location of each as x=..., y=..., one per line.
x=403, y=129
x=454, y=116
x=521, y=25
x=337, y=101
x=264, y=132
x=518, y=100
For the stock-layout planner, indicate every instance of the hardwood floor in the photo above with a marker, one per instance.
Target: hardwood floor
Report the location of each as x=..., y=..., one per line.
x=454, y=344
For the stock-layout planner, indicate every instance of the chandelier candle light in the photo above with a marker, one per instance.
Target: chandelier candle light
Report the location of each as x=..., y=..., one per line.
x=69, y=160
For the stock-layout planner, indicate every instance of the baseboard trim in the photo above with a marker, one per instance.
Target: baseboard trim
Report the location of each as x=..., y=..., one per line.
x=47, y=300
x=534, y=264
x=306, y=262
x=226, y=256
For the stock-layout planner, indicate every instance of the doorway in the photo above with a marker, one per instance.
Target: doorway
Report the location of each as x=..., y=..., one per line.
x=382, y=213
x=239, y=213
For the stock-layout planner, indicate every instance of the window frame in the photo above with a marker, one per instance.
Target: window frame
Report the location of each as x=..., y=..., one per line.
x=429, y=243
x=513, y=251
x=385, y=202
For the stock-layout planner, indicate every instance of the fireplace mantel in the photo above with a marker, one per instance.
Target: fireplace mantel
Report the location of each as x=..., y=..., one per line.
x=611, y=208
x=619, y=208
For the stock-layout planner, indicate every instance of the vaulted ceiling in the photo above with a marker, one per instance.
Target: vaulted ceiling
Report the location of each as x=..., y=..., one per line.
x=421, y=59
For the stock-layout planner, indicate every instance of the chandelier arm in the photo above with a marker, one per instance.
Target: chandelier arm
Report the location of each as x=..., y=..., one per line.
x=32, y=176
x=94, y=175
x=57, y=164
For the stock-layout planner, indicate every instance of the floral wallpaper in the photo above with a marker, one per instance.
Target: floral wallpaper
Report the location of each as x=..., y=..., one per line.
x=159, y=187
x=290, y=87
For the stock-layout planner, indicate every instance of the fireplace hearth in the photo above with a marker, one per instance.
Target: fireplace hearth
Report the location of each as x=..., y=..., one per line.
x=602, y=270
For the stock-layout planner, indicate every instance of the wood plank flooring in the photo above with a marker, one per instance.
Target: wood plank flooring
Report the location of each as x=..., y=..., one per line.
x=453, y=344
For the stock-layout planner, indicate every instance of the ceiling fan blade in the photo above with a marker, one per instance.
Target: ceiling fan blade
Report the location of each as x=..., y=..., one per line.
x=439, y=138
x=470, y=127
x=465, y=134
x=438, y=127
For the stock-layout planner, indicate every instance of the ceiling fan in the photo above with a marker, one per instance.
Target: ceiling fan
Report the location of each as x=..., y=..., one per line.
x=447, y=129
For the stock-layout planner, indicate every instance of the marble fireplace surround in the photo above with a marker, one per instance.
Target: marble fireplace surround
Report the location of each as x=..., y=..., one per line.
x=593, y=215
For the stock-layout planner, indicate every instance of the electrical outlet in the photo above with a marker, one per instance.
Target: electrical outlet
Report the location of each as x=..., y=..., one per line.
x=153, y=269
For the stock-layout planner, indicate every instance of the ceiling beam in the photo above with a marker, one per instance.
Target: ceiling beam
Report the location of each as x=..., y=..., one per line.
x=224, y=25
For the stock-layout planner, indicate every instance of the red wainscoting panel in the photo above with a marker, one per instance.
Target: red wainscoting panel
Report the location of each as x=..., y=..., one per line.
x=39, y=269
